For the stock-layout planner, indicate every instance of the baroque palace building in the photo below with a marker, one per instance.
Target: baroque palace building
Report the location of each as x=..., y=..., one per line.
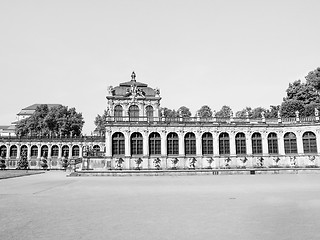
x=138, y=135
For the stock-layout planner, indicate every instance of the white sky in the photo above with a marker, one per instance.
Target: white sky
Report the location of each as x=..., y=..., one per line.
x=236, y=53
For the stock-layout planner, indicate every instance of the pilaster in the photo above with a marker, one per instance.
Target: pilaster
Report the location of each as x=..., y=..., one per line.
x=181, y=143
x=248, y=135
x=232, y=135
x=39, y=150
x=199, y=143
x=108, y=143
x=127, y=143
x=299, y=142
x=280, y=143
x=264, y=136
x=215, y=140
x=145, y=135
x=163, y=135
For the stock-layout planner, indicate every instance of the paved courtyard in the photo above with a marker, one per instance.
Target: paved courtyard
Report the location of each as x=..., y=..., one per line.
x=53, y=206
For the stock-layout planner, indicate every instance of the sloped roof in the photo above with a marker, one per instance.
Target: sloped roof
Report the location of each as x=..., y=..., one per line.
x=34, y=106
x=126, y=89
x=30, y=109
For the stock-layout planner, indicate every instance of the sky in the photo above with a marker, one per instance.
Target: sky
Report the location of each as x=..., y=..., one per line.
x=200, y=52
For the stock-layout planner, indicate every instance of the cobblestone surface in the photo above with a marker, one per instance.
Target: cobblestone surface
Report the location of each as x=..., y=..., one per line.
x=53, y=206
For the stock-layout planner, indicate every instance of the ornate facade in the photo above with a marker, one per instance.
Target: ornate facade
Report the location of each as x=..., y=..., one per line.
x=139, y=136
x=136, y=133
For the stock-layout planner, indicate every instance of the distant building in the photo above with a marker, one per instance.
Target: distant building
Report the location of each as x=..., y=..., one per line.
x=8, y=130
x=28, y=111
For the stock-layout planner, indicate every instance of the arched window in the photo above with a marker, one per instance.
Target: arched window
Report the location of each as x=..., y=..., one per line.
x=224, y=144
x=96, y=148
x=173, y=144
x=118, y=113
x=154, y=144
x=272, y=143
x=75, y=151
x=207, y=144
x=44, y=151
x=309, y=142
x=34, y=151
x=65, y=151
x=3, y=151
x=24, y=148
x=190, y=144
x=241, y=144
x=134, y=113
x=149, y=113
x=256, y=143
x=13, y=151
x=118, y=144
x=54, y=151
x=290, y=143
x=136, y=144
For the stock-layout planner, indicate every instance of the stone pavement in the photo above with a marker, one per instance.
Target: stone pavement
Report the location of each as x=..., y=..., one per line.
x=53, y=206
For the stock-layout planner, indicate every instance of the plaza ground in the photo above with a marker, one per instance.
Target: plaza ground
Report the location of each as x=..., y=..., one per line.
x=53, y=206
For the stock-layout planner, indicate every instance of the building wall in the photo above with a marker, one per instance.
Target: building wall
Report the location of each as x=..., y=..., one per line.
x=34, y=153
x=300, y=158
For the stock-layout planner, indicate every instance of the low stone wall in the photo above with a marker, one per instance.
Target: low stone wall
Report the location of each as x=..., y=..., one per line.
x=251, y=171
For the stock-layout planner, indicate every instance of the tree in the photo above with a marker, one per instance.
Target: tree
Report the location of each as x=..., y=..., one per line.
x=23, y=161
x=273, y=112
x=205, y=112
x=309, y=109
x=46, y=121
x=313, y=78
x=2, y=160
x=184, y=112
x=289, y=107
x=168, y=113
x=224, y=112
x=304, y=92
x=257, y=112
x=243, y=113
x=100, y=122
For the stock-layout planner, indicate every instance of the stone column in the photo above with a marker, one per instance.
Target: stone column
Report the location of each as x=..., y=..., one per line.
x=142, y=114
x=181, y=143
x=248, y=143
x=264, y=137
x=18, y=150
x=70, y=151
x=60, y=150
x=280, y=143
x=232, y=143
x=299, y=142
x=108, y=143
x=39, y=151
x=127, y=143
x=145, y=135
x=318, y=140
x=8, y=151
x=156, y=110
x=49, y=150
x=215, y=136
x=29, y=151
x=125, y=107
x=199, y=144
x=81, y=150
x=163, y=135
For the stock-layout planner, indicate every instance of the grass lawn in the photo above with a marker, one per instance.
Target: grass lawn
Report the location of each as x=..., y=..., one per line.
x=17, y=173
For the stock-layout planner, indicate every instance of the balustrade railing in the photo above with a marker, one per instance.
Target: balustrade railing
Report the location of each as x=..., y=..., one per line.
x=53, y=138
x=218, y=120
